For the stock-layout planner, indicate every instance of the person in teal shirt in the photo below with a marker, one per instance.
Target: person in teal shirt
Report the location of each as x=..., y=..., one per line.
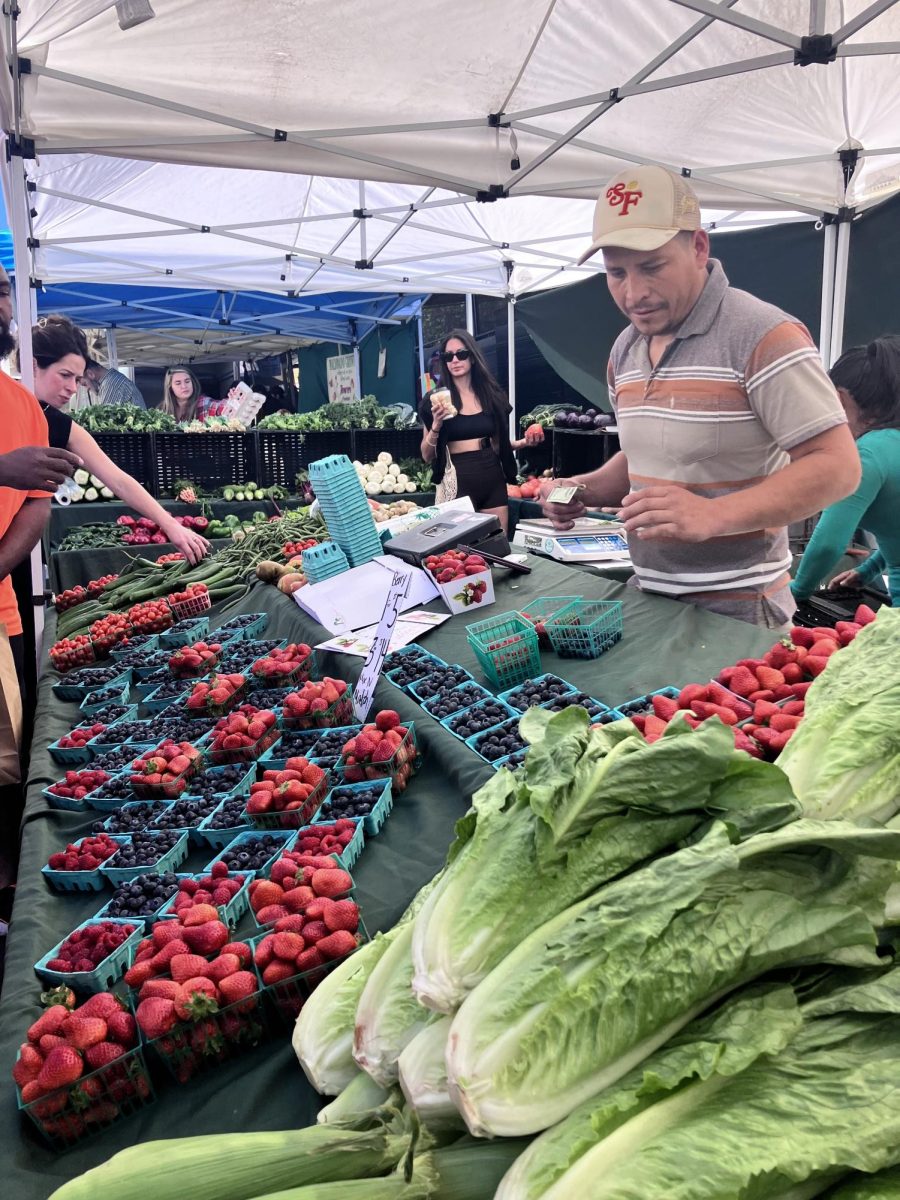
x=868, y=382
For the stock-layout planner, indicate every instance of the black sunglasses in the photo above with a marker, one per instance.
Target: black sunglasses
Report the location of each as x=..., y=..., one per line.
x=449, y=355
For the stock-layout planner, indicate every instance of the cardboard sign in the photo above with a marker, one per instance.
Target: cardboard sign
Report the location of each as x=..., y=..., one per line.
x=340, y=374
x=368, y=678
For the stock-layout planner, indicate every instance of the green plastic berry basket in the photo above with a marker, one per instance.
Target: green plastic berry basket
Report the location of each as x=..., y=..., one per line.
x=585, y=628
x=374, y=820
x=293, y=818
x=79, y=881
x=218, y=838
x=289, y=995
x=230, y=913
x=93, y=1103
x=506, y=647
x=541, y=609
x=351, y=852
x=106, y=973
x=166, y=862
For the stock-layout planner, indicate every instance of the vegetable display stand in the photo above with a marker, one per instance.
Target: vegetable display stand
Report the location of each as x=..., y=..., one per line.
x=213, y=460
x=106, y=973
x=92, y=1103
x=575, y=450
x=280, y=457
x=192, y=1047
x=507, y=650
x=400, y=443
x=135, y=453
x=289, y=995
x=585, y=628
x=323, y=443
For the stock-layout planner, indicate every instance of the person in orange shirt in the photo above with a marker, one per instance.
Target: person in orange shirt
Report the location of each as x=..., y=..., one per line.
x=30, y=472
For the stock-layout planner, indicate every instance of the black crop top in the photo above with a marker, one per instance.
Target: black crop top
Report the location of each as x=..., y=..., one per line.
x=59, y=427
x=469, y=427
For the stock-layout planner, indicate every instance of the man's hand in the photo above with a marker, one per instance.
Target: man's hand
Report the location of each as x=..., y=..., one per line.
x=846, y=579
x=669, y=513
x=563, y=516
x=37, y=468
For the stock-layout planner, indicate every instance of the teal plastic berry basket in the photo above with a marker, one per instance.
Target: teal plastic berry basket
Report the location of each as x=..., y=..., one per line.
x=507, y=650
x=585, y=628
x=106, y=973
x=373, y=822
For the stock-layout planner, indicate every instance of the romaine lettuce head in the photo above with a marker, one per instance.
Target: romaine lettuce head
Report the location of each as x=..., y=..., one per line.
x=594, y=991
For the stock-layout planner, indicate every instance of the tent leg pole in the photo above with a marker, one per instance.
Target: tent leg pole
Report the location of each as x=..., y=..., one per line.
x=827, y=294
x=470, y=313
x=357, y=377
x=842, y=260
x=511, y=352
x=112, y=352
x=421, y=340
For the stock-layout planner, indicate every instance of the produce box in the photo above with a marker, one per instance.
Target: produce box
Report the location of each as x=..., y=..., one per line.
x=463, y=696
x=641, y=705
x=399, y=768
x=291, y=818
x=277, y=840
x=190, y=1048
x=105, y=974
x=478, y=717
x=66, y=1117
x=151, y=912
x=217, y=835
x=68, y=691
x=439, y=680
x=412, y=668
x=540, y=610
x=522, y=697
x=231, y=912
x=166, y=862
x=585, y=628
x=194, y=629
x=95, y=702
x=371, y=823
x=111, y=795
x=162, y=697
x=506, y=647
x=143, y=642
x=290, y=994
x=351, y=852
x=472, y=592
x=499, y=742
x=77, y=881
x=243, y=628
x=128, y=814
x=165, y=780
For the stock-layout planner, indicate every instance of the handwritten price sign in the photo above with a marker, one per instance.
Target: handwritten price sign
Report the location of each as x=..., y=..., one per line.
x=368, y=678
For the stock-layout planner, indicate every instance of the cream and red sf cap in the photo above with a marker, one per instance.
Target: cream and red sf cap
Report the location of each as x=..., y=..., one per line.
x=642, y=209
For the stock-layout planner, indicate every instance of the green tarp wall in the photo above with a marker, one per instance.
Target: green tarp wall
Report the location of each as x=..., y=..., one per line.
x=575, y=327
x=399, y=383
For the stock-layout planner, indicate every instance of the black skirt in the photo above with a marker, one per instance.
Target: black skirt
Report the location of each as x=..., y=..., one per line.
x=479, y=475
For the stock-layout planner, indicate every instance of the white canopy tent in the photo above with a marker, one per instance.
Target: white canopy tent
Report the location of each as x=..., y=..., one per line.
x=220, y=144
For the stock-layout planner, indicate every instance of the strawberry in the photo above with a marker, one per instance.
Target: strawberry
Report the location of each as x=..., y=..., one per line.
x=782, y=721
x=199, y=914
x=743, y=681
x=792, y=672
x=206, y=938
x=331, y=883
x=265, y=891
x=704, y=710
x=387, y=719
x=794, y=708
x=198, y=998
x=782, y=692
x=102, y=1004
x=799, y=690
x=28, y=1064
x=223, y=966
x=337, y=945
x=240, y=950
x=48, y=1022
x=864, y=615
x=762, y=710
x=82, y=1032
x=238, y=986
x=343, y=914
x=187, y=966
x=762, y=694
x=814, y=665
x=164, y=989
x=654, y=727
x=772, y=740
x=665, y=707
x=288, y=945
x=121, y=1028
x=156, y=1016
x=801, y=636
x=103, y=1053
x=769, y=677
x=62, y=1065
x=278, y=970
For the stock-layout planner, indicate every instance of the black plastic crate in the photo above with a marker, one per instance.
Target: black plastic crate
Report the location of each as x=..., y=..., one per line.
x=321, y=445
x=400, y=443
x=280, y=456
x=212, y=459
x=134, y=453
x=575, y=452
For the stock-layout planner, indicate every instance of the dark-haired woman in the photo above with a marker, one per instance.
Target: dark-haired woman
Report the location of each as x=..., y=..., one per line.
x=469, y=436
x=60, y=355
x=868, y=382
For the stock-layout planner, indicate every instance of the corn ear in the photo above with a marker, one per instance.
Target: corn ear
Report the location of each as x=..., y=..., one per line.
x=238, y=1166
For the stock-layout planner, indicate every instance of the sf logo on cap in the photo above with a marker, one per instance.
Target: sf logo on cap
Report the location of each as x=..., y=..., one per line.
x=626, y=195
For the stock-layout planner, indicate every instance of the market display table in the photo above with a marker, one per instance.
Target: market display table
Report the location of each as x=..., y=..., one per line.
x=65, y=517
x=664, y=642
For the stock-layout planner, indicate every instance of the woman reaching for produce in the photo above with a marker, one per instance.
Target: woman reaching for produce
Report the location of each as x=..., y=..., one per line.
x=868, y=382
x=467, y=430
x=60, y=351
x=183, y=397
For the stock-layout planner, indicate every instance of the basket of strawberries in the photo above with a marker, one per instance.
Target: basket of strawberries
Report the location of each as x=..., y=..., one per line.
x=381, y=750
x=319, y=705
x=199, y=659
x=166, y=770
x=243, y=735
x=217, y=695
x=285, y=666
x=192, y=602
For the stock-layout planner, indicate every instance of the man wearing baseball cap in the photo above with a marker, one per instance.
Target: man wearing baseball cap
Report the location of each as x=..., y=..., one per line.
x=729, y=426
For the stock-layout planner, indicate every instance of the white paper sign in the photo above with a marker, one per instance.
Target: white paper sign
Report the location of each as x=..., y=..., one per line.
x=368, y=678
x=340, y=373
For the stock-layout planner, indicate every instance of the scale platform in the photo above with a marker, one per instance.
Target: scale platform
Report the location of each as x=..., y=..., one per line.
x=590, y=540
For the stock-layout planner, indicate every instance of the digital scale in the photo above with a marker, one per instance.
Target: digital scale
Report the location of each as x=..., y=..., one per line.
x=478, y=531
x=590, y=540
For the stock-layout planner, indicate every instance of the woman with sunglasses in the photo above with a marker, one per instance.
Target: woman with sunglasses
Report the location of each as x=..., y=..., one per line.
x=473, y=441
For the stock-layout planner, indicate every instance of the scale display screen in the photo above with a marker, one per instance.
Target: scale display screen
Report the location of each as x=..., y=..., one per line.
x=611, y=543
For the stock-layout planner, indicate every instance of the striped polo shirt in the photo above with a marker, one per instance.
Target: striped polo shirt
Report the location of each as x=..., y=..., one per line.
x=741, y=384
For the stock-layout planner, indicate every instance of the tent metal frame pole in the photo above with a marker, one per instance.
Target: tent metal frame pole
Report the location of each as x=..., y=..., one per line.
x=511, y=362
x=861, y=20
x=112, y=350
x=421, y=340
x=841, y=265
x=828, y=255
x=719, y=12
x=470, y=313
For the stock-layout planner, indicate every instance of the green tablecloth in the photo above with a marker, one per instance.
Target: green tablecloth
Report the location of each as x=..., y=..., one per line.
x=664, y=643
